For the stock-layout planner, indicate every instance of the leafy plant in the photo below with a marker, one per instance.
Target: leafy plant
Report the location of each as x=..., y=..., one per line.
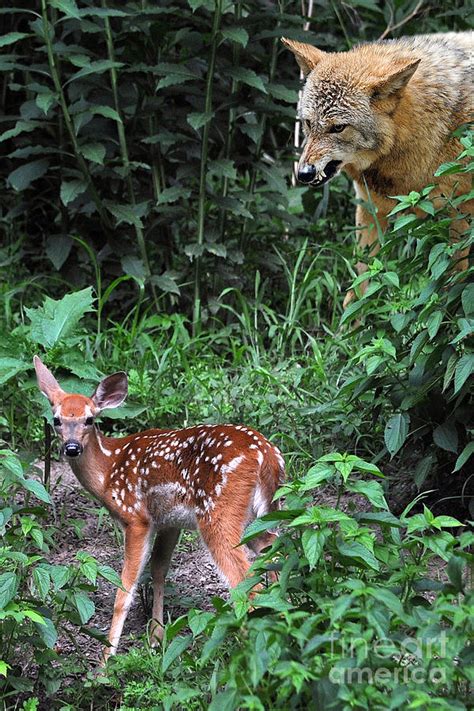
x=38, y=600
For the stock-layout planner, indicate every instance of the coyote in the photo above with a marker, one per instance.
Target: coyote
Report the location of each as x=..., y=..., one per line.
x=384, y=113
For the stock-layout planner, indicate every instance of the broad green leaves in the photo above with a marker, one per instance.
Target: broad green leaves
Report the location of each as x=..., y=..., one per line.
x=396, y=432
x=56, y=320
x=22, y=177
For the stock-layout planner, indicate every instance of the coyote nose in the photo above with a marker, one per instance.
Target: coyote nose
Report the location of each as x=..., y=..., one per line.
x=307, y=173
x=72, y=449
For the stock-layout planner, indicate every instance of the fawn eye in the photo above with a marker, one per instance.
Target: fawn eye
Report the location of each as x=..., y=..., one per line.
x=90, y=421
x=56, y=422
x=338, y=127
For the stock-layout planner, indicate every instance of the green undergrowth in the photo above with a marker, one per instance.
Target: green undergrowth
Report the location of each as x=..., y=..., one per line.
x=363, y=615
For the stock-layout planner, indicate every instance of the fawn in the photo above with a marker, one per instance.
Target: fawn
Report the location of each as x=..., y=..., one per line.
x=215, y=478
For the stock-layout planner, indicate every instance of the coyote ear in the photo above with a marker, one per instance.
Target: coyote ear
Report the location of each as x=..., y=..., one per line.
x=47, y=383
x=394, y=79
x=306, y=55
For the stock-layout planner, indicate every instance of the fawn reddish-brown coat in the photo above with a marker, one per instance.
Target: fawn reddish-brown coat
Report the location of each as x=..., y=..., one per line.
x=215, y=478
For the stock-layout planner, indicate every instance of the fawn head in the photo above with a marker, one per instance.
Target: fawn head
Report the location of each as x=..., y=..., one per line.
x=73, y=414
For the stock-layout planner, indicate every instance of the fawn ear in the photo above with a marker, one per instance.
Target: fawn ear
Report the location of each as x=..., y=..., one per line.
x=111, y=391
x=47, y=383
x=394, y=78
x=306, y=55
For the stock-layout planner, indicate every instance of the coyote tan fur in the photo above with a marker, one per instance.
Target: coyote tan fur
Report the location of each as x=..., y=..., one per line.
x=384, y=113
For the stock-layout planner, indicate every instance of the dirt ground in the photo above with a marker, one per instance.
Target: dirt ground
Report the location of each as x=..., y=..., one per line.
x=192, y=580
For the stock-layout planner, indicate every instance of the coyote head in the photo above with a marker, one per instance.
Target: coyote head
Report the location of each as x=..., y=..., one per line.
x=347, y=108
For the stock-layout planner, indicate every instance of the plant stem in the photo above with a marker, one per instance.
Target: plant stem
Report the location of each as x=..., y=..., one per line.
x=202, y=177
x=67, y=118
x=124, y=151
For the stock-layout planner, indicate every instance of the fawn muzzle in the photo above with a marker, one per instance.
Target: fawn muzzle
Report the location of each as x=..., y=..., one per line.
x=72, y=449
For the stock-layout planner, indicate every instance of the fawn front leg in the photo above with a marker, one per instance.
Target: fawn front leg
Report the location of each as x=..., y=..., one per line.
x=160, y=562
x=137, y=548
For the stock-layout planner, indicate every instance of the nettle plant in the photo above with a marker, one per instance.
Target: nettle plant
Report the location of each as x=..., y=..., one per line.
x=39, y=601
x=360, y=618
x=416, y=358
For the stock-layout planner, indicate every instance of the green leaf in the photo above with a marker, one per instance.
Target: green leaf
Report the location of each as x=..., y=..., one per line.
x=69, y=7
x=4, y=668
x=59, y=575
x=84, y=606
x=465, y=455
x=282, y=93
x=313, y=544
x=42, y=581
x=423, y=468
x=223, y=168
x=196, y=4
x=166, y=283
x=58, y=249
x=22, y=177
x=11, y=38
x=404, y=221
x=198, y=621
x=247, y=76
x=172, y=194
x=372, y=490
x=396, y=432
x=37, y=488
x=446, y=436
x=70, y=189
x=199, y=119
x=433, y=323
x=467, y=300
x=98, y=67
x=134, y=267
x=177, y=647
x=9, y=367
x=464, y=368
x=316, y=475
x=448, y=168
x=455, y=569
x=353, y=549
x=108, y=573
x=106, y=112
x=95, y=152
x=20, y=127
x=236, y=34
x=47, y=632
x=8, y=588
x=45, y=100
x=124, y=213
x=56, y=320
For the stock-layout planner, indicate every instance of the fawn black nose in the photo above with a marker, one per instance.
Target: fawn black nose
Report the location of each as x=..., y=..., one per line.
x=72, y=449
x=307, y=173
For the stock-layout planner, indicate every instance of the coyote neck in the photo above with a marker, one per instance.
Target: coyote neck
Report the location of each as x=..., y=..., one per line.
x=94, y=465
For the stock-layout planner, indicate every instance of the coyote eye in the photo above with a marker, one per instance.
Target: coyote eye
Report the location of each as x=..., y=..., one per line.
x=56, y=422
x=338, y=127
x=90, y=421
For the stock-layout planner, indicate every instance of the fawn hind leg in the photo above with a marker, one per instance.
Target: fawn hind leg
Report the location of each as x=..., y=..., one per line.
x=163, y=548
x=230, y=558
